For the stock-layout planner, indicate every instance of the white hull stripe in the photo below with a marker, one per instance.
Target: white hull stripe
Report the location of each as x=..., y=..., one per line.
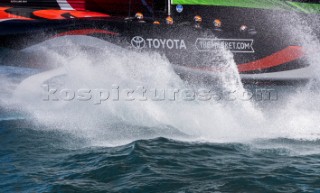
x=64, y=5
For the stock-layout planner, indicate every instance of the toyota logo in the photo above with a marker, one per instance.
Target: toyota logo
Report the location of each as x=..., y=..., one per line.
x=138, y=42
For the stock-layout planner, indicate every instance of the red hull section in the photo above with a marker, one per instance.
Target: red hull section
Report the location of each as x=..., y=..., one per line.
x=58, y=14
x=114, y=7
x=284, y=56
x=4, y=15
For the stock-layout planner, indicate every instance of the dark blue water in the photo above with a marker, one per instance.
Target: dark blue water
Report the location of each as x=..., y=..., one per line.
x=35, y=160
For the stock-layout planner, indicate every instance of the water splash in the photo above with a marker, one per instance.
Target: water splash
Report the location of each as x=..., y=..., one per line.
x=118, y=122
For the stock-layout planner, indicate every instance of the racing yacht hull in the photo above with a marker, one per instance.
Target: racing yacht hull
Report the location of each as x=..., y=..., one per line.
x=265, y=50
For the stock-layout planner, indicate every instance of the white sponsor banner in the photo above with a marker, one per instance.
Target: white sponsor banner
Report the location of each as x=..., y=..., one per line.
x=234, y=45
x=139, y=42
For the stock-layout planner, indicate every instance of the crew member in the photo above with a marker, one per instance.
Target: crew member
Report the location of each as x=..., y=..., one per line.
x=197, y=19
x=217, y=25
x=139, y=17
x=169, y=20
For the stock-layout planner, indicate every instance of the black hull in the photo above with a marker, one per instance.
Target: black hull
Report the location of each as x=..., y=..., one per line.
x=268, y=51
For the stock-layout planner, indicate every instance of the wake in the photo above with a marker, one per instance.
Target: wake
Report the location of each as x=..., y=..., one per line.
x=115, y=122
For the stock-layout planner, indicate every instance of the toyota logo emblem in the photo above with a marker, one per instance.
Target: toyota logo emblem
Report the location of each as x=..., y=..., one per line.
x=138, y=42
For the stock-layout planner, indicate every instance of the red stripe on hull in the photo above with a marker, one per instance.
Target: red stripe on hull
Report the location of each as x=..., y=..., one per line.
x=286, y=55
x=86, y=32
x=57, y=14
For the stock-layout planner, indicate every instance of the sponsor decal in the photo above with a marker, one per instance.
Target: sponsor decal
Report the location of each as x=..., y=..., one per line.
x=234, y=45
x=179, y=8
x=139, y=42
